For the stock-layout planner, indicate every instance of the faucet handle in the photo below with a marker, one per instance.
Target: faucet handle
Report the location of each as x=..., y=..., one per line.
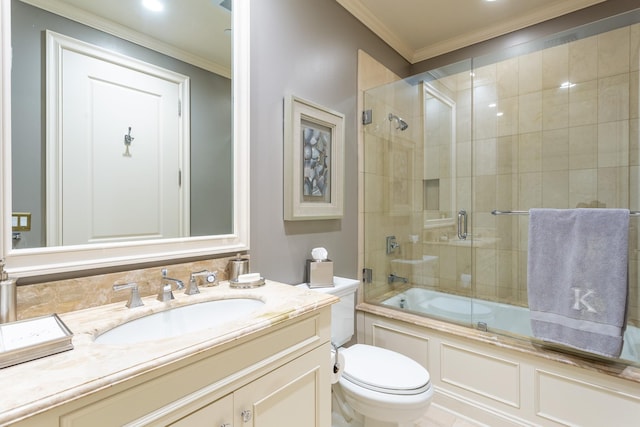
x=196, y=279
x=134, y=297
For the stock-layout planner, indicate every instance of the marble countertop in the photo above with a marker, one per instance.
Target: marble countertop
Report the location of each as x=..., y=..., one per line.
x=43, y=383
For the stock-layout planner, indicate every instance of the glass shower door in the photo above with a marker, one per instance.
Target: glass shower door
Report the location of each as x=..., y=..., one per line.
x=417, y=193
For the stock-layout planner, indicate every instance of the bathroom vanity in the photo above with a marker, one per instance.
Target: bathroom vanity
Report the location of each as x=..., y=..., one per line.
x=270, y=365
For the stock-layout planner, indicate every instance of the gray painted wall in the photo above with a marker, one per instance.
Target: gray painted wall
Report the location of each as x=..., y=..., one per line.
x=211, y=207
x=308, y=48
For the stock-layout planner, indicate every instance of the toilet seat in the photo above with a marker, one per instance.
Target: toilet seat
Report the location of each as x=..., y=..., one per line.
x=384, y=371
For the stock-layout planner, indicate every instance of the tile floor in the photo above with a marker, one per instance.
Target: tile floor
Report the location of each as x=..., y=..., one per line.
x=435, y=416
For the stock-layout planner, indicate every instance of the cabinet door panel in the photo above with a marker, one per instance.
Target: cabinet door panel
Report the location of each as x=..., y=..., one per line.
x=296, y=394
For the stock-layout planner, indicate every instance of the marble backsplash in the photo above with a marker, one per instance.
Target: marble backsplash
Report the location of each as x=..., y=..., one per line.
x=67, y=295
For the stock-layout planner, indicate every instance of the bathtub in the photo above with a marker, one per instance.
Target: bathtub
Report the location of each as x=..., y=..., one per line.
x=487, y=315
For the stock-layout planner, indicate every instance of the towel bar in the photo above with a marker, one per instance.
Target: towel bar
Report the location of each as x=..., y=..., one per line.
x=497, y=212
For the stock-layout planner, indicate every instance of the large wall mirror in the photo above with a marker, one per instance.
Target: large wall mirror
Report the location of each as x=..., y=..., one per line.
x=206, y=43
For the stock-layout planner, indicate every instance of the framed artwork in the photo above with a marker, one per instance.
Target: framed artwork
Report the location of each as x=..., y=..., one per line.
x=313, y=161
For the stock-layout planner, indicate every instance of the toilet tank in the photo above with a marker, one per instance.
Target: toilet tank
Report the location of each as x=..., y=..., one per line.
x=342, y=312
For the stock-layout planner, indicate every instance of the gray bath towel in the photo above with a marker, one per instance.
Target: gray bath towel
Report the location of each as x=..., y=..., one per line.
x=577, y=277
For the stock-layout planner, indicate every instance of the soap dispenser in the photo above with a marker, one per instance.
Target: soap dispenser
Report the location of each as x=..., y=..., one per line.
x=8, y=301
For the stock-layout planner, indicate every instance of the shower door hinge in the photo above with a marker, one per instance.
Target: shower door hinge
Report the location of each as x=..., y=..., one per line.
x=367, y=275
x=367, y=117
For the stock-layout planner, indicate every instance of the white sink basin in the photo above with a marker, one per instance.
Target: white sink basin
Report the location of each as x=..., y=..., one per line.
x=180, y=320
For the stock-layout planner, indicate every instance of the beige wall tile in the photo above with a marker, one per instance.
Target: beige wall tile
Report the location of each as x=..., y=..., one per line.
x=507, y=78
x=583, y=186
x=530, y=190
x=555, y=66
x=530, y=73
x=555, y=150
x=583, y=103
x=374, y=188
x=463, y=159
x=613, y=144
x=555, y=108
x=530, y=152
x=583, y=60
x=583, y=147
x=507, y=116
x=613, y=186
x=613, y=52
x=506, y=185
x=530, y=112
x=555, y=189
x=485, y=191
x=507, y=154
x=613, y=98
x=485, y=267
x=484, y=155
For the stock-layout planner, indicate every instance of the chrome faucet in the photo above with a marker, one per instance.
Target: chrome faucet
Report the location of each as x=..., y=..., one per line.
x=166, y=292
x=393, y=278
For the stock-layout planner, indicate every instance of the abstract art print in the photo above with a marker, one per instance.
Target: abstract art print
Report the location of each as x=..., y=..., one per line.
x=313, y=151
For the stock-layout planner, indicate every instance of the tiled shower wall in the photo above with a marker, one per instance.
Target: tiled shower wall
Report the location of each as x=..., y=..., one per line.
x=557, y=128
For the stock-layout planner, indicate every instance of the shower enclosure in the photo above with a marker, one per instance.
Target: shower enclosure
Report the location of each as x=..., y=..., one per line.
x=452, y=154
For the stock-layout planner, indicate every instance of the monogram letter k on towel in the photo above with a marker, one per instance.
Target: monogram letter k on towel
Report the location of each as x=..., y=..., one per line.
x=577, y=277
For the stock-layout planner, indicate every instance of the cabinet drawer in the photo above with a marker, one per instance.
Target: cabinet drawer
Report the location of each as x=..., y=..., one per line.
x=215, y=414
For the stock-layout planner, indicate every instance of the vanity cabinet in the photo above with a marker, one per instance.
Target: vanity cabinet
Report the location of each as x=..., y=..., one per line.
x=288, y=393
x=260, y=379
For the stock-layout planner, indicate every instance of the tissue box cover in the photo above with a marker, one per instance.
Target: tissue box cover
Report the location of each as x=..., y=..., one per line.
x=319, y=273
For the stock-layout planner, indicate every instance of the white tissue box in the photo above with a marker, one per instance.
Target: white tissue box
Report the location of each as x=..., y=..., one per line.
x=319, y=273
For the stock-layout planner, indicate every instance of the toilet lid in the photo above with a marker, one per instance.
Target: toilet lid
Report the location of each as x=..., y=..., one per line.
x=383, y=370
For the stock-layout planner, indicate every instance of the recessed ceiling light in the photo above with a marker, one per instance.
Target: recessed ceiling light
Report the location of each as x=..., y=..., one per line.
x=153, y=5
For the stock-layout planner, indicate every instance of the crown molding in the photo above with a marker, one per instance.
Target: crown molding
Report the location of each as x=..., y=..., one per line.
x=363, y=14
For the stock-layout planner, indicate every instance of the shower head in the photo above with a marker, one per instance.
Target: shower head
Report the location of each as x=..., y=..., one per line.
x=400, y=123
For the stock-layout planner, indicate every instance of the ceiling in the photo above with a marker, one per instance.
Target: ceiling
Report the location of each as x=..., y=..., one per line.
x=416, y=29
x=422, y=29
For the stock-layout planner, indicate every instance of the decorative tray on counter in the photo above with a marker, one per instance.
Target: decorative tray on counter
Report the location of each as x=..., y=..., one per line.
x=246, y=285
x=31, y=339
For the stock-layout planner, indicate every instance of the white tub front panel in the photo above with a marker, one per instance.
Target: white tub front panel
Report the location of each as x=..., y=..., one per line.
x=404, y=342
x=566, y=400
x=480, y=373
x=498, y=386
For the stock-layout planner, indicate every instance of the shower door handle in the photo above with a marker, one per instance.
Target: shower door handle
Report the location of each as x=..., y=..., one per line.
x=462, y=224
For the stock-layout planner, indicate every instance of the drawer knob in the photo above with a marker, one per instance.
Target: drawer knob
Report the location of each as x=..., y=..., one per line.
x=246, y=415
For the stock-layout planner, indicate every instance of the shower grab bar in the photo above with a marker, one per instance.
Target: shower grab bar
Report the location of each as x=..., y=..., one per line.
x=497, y=212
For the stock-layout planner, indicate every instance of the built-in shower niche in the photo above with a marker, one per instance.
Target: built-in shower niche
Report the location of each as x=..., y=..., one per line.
x=431, y=189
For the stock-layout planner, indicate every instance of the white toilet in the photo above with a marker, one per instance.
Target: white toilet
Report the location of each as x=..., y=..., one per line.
x=381, y=388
